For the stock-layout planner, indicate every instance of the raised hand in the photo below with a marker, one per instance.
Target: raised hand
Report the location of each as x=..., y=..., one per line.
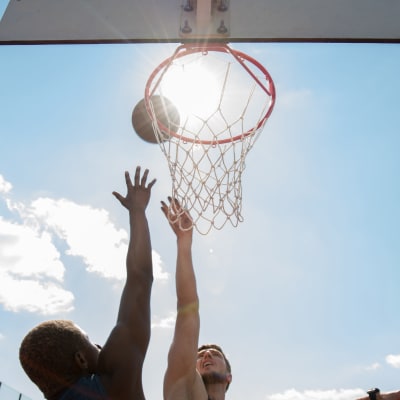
x=138, y=195
x=179, y=219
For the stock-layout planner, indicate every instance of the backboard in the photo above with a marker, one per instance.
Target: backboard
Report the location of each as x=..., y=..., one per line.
x=152, y=21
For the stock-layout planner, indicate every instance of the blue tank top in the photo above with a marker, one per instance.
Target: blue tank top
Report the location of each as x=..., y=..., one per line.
x=88, y=388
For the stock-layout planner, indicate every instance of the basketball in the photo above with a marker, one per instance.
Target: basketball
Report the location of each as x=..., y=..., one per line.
x=166, y=113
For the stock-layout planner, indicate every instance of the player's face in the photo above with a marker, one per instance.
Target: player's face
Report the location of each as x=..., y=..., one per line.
x=210, y=361
x=93, y=356
x=91, y=352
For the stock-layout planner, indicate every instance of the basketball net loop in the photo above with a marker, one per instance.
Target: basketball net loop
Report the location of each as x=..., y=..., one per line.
x=206, y=152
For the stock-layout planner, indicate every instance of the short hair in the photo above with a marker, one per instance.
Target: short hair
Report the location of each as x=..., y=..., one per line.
x=216, y=347
x=47, y=355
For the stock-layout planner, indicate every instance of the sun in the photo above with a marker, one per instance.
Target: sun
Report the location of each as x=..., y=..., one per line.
x=193, y=88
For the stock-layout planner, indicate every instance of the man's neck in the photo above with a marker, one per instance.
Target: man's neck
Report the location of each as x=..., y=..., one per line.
x=216, y=391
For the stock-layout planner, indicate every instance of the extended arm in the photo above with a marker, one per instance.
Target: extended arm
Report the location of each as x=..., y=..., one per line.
x=123, y=354
x=134, y=311
x=181, y=378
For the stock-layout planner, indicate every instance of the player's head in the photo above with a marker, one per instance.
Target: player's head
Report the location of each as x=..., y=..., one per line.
x=55, y=354
x=213, y=365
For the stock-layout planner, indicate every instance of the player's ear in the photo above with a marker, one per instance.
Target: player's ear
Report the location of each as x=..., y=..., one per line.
x=80, y=359
x=228, y=380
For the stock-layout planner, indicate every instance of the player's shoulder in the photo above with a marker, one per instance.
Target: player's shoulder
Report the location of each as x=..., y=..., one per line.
x=199, y=390
x=185, y=389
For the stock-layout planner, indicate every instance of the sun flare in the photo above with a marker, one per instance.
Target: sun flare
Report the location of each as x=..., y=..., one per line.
x=193, y=89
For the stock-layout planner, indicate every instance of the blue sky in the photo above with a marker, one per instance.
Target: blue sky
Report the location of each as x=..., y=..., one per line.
x=302, y=296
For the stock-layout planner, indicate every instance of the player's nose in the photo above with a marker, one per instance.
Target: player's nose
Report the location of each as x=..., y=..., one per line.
x=207, y=354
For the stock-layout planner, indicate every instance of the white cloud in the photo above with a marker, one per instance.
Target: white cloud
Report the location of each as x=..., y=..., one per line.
x=393, y=360
x=30, y=267
x=24, y=252
x=158, y=272
x=31, y=272
x=88, y=233
x=165, y=323
x=91, y=235
x=334, y=394
x=5, y=186
x=34, y=296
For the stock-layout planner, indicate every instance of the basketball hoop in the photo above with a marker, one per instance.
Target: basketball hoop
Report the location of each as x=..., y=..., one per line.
x=221, y=116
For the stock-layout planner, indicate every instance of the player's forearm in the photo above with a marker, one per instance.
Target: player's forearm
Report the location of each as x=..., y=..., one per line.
x=138, y=260
x=134, y=311
x=186, y=288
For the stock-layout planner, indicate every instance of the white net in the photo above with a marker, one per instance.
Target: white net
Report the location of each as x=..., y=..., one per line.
x=224, y=98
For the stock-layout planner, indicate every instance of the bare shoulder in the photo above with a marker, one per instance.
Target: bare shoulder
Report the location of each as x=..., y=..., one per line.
x=180, y=390
x=199, y=390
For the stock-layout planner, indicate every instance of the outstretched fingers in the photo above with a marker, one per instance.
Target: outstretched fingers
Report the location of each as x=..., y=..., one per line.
x=137, y=194
x=164, y=208
x=142, y=182
x=175, y=205
x=139, y=182
x=144, y=177
x=128, y=179
x=178, y=217
x=137, y=176
x=118, y=196
x=171, y=212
